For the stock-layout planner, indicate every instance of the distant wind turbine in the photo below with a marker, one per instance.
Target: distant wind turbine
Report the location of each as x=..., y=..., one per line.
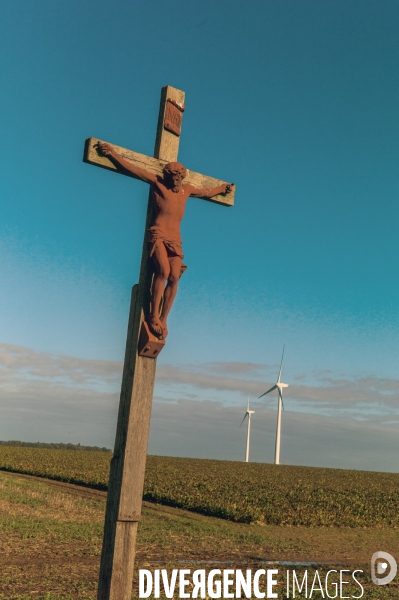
x=278, y=386
x=247, y=414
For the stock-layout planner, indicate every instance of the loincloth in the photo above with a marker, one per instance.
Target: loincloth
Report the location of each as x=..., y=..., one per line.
x=173, y=245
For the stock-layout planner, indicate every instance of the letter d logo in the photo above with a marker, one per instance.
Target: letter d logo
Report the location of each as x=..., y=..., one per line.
x=382, y=567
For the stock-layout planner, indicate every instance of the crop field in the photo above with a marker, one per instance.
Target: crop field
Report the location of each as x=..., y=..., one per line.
x=245, y=493
x=51, y=535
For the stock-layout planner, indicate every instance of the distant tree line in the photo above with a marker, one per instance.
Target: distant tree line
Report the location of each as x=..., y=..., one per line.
x=59, y=446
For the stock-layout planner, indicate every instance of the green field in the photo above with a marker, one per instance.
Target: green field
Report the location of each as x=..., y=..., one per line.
x=51, y=535
x=245, y=493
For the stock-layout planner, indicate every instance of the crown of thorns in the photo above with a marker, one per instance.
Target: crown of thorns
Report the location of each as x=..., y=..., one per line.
x=175, y=166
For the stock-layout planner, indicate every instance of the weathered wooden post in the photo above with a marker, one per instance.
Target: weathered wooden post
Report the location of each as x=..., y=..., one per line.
x=125, y=490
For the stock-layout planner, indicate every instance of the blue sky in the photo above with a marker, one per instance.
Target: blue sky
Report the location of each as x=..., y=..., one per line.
x=296, y=102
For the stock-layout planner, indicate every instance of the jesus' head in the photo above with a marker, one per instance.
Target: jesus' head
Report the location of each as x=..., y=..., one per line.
x=173, y=174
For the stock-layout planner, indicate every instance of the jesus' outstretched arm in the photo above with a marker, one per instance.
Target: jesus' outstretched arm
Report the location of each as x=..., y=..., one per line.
x=224, y=188
x=110, y=152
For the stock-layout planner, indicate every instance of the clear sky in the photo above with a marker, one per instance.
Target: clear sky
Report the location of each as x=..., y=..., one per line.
x=295, y=102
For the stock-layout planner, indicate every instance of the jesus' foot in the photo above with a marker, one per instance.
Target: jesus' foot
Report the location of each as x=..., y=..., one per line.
x=165, y=329
x=156, y=327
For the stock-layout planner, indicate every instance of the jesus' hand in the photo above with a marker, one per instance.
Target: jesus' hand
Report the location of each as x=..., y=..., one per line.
x=228, y=188
x=104, y=148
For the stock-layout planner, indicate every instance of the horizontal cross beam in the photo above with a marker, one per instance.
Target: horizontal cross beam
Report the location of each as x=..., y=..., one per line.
x=153, y=165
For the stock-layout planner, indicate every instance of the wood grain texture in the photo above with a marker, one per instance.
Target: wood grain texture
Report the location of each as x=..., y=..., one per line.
x=155, y=166
x=167, y=143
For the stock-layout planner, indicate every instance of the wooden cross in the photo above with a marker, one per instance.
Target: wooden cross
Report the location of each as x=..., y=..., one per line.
x=126, y=482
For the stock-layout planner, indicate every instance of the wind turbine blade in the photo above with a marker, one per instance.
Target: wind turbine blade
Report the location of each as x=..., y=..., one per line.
x=281, y=396
x=248, y=404
x=271, y=389
x=245, y=416
x=281, y=365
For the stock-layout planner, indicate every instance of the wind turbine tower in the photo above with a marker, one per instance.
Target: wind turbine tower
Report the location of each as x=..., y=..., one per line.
x=279, y=387
x=247, y=414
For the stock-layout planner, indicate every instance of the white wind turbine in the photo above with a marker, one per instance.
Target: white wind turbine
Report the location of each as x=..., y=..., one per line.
x=278, y=386
x=247, y=414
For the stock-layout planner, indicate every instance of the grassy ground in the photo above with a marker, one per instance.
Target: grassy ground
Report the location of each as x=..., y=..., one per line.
x=51, y=533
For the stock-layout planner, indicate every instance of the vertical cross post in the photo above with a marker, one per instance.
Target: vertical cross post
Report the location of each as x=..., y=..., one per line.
x=126, y=482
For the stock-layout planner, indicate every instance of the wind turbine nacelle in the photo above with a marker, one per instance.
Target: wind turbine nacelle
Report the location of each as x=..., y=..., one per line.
x=283, y=385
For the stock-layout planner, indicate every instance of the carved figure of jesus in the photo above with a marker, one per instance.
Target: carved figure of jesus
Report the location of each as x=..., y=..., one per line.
x=170, y=195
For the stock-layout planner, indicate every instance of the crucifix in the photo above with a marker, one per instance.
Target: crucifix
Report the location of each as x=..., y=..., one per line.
x=161, y=267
